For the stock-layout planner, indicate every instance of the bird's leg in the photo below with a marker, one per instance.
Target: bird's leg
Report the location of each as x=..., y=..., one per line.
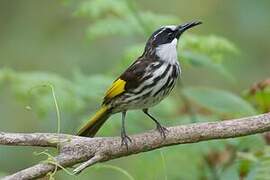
x=161, y=129
x=124, y=135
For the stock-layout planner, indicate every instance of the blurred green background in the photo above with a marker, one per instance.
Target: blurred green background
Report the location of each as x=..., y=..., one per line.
x=79, y=47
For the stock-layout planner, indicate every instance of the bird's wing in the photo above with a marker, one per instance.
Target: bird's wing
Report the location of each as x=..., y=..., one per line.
x=117, y=88
x=130, y=79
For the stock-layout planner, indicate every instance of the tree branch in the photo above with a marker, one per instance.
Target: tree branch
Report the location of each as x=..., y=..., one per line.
x=74, y=149
x=32, y=139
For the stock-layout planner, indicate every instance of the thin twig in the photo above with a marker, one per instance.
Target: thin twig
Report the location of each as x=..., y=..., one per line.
x=88, y=163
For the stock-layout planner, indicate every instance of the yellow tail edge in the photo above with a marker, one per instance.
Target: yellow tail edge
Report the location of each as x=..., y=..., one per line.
x=95, y=123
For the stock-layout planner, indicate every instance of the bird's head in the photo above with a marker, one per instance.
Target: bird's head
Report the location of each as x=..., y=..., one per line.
x=165, y=38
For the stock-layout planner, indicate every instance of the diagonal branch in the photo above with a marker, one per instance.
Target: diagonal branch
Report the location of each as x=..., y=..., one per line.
x=74, y=149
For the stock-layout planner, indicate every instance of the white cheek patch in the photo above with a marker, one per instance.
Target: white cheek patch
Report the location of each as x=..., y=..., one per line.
x=168, y=52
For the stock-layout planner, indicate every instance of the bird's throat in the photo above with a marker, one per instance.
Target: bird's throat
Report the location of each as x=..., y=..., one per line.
x=168, y=52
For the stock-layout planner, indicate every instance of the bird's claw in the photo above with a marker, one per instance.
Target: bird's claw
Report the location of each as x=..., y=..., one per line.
x=125, y=139
x=162, y=130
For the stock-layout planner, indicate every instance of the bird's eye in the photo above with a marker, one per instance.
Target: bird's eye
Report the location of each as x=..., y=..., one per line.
x=170, y=36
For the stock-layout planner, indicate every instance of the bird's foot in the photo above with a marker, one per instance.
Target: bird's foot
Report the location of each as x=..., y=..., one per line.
x=125, y=139
x=162, y=130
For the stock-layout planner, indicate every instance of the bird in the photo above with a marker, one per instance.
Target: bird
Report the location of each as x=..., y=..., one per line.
x=145, y=83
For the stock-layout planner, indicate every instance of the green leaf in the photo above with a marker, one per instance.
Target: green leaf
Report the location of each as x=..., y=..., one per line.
x=154, y=20
x=262, y=169
x=98, y=8
x=202, y=60
x=127, y=25
x=259, y=95
x=219, y=101
x=73, y=95
x=213, y=46
x=113, y=26
x=244, y=167
x=91, y=87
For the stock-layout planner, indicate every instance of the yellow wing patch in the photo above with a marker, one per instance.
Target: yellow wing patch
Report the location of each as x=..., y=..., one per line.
x=117, y=88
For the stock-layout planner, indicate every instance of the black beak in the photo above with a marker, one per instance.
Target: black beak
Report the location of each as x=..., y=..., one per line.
x=182, y=28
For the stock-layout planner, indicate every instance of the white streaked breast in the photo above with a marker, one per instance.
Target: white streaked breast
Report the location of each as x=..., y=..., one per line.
x=156, y=73
x=162, y=82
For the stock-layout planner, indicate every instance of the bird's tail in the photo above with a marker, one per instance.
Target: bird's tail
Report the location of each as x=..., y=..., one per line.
x=91, y=128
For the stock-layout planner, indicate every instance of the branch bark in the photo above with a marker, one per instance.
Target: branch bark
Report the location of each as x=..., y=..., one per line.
x=88, y=151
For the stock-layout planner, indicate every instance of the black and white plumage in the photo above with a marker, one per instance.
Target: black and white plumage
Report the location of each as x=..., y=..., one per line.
x=146, y=82
x=153, y=75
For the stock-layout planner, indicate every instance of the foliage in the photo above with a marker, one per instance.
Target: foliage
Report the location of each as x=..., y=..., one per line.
x=219, y=101
x=78, y=95
x=259, y=95
x=31, y=87
x=120, y=18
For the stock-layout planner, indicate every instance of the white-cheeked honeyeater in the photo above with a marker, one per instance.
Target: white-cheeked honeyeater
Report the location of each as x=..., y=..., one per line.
x=145, y=83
